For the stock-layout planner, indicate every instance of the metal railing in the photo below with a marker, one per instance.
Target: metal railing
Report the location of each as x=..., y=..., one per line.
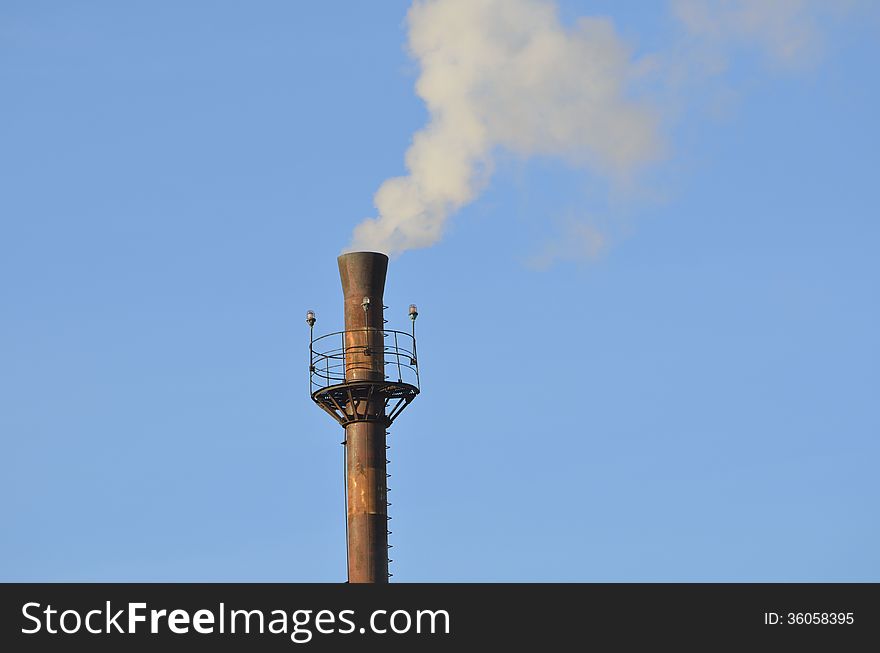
x=328, y=360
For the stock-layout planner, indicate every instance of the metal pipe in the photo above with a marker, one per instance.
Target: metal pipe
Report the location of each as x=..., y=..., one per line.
x=363, y=285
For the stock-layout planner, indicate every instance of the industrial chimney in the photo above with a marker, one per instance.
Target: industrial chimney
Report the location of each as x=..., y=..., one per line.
x=364, y=377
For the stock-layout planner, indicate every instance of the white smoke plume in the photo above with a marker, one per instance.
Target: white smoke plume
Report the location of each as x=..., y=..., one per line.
x=506, y=74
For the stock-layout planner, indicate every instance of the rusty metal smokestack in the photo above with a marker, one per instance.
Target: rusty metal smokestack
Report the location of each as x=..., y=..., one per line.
x=363, y=286
x=364, y=377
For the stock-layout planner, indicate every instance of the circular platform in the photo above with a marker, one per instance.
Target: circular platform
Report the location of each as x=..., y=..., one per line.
x=365, y=401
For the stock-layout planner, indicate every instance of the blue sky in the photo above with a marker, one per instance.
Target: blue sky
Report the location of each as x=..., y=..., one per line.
x=692, y=399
